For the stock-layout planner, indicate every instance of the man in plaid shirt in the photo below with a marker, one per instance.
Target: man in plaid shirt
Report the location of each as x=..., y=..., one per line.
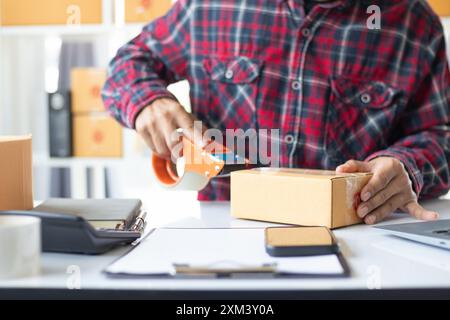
x=335, y=87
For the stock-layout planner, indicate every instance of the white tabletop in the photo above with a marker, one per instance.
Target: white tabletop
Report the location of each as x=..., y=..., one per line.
x=376, y=260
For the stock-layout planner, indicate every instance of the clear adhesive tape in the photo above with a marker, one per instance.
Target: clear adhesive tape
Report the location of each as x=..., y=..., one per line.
x=191, y=181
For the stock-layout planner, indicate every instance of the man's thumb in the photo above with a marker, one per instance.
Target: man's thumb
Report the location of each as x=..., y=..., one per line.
x=419, y=212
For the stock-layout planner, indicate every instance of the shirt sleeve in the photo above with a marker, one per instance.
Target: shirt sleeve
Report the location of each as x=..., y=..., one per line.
x=145, y=66
x=423, y=145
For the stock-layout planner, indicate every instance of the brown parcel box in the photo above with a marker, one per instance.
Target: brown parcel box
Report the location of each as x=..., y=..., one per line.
x=296, y=196
x=50, y=12
x=145, y=10
x=86, y=85
x=16, y=191
x=96, y=136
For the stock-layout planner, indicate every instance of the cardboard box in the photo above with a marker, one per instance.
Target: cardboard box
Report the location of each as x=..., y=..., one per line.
x=441, y=7
x=296, y=196
x=50, y=12
x=86, y=85
x=97, y=136
x=137, y=11
x=16, y=187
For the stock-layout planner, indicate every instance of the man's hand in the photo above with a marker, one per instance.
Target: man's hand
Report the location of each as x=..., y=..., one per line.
x=158, y=122
x=389, y=189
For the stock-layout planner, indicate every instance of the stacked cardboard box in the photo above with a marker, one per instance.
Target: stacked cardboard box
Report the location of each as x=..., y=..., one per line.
x=95, y=134
x=50, y=12
x=441, y=7
x=70, y=12
x=145, y=10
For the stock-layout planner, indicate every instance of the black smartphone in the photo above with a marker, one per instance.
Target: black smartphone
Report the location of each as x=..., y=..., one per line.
x=300, y=241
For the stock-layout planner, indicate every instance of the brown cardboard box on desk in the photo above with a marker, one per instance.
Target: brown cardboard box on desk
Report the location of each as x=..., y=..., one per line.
x=50, y=12
x=145, y=10
x=16, y=191
x=296, y=196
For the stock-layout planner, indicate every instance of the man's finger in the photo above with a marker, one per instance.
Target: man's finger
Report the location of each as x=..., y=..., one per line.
x=419, y=212
x=148, y=139
x=194, y=131
x=378, y=182
x=352, y=166
x=185, y=119
x=168, y=128
x=380, y=198
x=177, y=145
x=384, y=210
x=160, y=143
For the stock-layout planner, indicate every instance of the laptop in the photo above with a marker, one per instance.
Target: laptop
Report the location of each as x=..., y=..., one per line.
x=434, y=233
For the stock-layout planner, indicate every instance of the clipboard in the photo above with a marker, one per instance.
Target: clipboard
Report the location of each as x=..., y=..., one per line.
x=218, y=253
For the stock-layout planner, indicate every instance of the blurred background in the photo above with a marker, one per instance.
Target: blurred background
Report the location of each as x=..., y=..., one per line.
x=53, y=60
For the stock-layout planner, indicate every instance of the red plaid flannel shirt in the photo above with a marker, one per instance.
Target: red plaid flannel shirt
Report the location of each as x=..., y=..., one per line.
x=336, y=89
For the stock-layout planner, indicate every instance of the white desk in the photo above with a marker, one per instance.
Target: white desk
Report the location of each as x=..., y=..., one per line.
x=376, y=260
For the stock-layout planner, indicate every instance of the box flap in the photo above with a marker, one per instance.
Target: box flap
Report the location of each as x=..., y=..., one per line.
x=14, y=138
x=304, y=173
x=346, y=199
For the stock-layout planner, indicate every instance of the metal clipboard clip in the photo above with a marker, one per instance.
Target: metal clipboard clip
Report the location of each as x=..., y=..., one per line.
x=139, y=222
x=223, y=268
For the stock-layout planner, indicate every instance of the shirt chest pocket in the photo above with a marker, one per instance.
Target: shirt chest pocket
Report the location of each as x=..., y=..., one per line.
x=361, y=117
x=232, y=86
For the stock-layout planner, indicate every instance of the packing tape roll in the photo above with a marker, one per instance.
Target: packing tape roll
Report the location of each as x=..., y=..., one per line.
x=176, y=178
x=20, y=246
x=193, y=170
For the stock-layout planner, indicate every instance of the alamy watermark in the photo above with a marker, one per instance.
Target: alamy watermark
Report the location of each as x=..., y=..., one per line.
x=73, y=281
x=259, y=147
x=374, y=20
x=373, y=280
x=73, y=15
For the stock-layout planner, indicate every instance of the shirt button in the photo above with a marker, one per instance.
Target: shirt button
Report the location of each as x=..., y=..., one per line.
x=229, y=74
x=306, y=32
x=296, y=85
x=366, y=98
x=289, y=139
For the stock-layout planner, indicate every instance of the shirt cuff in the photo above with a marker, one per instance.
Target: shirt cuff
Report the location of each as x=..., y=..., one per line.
x=136, y=109
x=408, y=161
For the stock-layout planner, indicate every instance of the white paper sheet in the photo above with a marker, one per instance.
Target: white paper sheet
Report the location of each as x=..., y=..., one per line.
x=157, y=254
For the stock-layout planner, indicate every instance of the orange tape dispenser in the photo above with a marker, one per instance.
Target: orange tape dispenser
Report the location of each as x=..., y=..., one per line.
x=197, y=166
